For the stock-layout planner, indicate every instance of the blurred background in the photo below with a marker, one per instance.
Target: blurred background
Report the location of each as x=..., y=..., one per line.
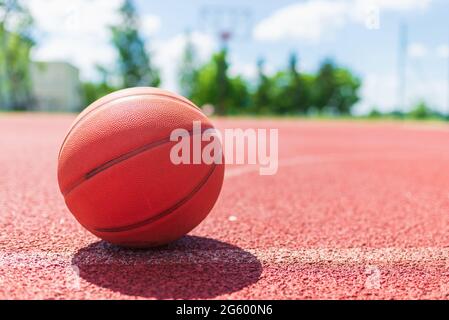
x=316, y=58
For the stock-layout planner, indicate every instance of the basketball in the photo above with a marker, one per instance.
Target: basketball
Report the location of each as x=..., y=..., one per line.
x=116, y=175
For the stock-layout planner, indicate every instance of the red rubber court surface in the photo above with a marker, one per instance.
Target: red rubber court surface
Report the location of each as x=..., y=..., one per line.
x=356, y=211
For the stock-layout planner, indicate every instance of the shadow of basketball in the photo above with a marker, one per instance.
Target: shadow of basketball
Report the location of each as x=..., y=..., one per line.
x=191, y=268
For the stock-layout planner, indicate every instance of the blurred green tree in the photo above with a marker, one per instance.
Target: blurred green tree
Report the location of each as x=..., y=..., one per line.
x=240, y=101
x=213, y=85
x=335, y=89
x=188, y=68
x=324, y=86
x=292, y=90
x=422, y=111
x=263, y=94
x=223, y=81
x=280, y=101
x=347, y=93
x=375, y=113
x=92, y=91
x=16, y=42
x=297, y=90
x=134, y=63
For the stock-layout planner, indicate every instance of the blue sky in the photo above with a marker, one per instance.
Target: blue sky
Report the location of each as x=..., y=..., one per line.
x=315, y=29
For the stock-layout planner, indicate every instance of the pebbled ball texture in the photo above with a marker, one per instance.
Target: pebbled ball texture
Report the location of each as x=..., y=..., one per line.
x=116, y=175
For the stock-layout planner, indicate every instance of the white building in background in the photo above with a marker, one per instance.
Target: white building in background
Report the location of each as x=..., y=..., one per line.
x=55, y=86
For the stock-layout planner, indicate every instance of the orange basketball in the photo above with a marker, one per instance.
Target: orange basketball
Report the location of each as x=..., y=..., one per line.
x=117, y=177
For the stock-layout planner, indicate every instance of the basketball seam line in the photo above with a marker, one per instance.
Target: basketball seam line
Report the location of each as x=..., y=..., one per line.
x=115, y=100
x=165, y=212
x=101, y=168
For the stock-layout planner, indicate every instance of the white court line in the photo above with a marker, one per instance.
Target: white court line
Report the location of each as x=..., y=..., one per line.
x=318, y=159
x=342, y=256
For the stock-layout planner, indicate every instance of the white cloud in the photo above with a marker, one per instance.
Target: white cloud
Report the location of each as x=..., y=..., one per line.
x=79, y=17
x=307, y=20
x=168, y=55
x=433, y=91
x=381, y=91
x=310, y=20
x=396, y=5
x=417, y=50
x=84, y=55
x=151, y=24
x=443, y=51
x=246, y=70
x=77, y=31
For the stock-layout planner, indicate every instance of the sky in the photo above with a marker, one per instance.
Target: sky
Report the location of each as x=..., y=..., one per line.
x=362, y=35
